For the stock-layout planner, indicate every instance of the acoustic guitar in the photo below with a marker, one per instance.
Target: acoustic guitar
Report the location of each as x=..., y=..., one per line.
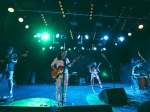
x=60, y=69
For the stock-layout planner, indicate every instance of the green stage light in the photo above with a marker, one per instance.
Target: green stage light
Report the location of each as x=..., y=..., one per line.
x=45, y=36
x=43, y=48
x=104, y=74
x=38, y=35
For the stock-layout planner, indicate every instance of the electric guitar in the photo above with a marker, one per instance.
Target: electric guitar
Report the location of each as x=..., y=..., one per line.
x=60, y=69
x=96, y=71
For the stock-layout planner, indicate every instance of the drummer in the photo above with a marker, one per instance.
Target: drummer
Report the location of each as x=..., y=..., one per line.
x=137, y=71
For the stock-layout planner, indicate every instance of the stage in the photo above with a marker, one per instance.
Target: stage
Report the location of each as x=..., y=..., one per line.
x=43, y=96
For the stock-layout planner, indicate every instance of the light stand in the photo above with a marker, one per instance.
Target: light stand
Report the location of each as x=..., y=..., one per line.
x=110, y=69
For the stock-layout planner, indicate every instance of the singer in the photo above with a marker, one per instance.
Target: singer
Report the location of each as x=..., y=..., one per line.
x=94, y=69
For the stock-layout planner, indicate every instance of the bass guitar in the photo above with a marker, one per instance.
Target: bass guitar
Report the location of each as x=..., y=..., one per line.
x=4, y=61
x=60, y=69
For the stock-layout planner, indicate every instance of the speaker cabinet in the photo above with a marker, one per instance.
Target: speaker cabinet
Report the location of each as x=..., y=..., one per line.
x=73, y=79
x=114, y=96
x=24, y=109
x=88, y=108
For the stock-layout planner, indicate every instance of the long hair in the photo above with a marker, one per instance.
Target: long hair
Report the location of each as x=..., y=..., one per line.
x=59, y=54
x=91, y=65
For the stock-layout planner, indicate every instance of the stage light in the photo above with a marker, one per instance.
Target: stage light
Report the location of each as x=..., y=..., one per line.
x=121, y=39
x=69, y=49
x=74, y=48
x=104, y=74
x=78, y=36
x=94, y=48
x=50, y=47
x=43, y=48
x=20, y=19
x=38, y=35
x=27, y=26
x=104, y=49
x=10, y=9
x=129, y=34
x=61, y=47
x=57, y=35
x=45, y=36
x=86, y=37
x=82, y=48
x=106, y=37
x=34, y=36
x=140, y=26
x=116, y=44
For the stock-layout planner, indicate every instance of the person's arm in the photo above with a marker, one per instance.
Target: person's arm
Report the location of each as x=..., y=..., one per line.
x=53, y=63
x=67, y=62
x=14, y=60
x=90, y=71
x=134, y=72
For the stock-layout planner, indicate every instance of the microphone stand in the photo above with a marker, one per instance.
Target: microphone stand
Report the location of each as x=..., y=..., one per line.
x=110, y=69
x=63, y=86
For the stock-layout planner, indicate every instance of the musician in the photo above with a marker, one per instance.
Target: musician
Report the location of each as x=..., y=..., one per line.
x=61, y=60
x=137, y=71
x=8, y=61
x=94, y=69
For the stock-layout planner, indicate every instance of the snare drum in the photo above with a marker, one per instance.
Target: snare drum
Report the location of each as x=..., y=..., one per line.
x=143, y=83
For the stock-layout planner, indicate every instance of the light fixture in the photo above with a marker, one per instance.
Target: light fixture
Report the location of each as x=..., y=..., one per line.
x=141, y=26
x=105, y=37
x=20, y=19
x=10, y=9
x=129, y=34
x=121, y=39
x=27, y=26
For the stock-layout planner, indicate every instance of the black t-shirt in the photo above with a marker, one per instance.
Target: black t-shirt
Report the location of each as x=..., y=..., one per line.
x=10, y=65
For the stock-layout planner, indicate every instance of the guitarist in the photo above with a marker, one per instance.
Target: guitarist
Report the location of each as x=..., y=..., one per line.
x=8, y=61
x=61, y=60
x=94, y=69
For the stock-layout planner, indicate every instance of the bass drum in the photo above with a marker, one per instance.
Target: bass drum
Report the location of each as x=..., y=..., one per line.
x=143, y=83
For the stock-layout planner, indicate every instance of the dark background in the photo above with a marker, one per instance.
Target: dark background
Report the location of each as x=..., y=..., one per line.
x=117, y=18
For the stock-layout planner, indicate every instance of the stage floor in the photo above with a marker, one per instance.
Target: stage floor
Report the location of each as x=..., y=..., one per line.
x=44, y=96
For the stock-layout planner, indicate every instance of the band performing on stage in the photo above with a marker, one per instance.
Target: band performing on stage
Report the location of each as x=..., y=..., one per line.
x=60, y=73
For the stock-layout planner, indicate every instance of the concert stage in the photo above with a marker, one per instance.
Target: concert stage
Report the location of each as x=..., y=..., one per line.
x=41, y=98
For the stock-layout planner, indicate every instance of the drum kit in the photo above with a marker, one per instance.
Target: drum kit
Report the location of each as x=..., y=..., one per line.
x=143, y=82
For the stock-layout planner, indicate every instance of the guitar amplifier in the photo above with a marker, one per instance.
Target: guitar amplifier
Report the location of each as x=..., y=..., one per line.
x=72, y=79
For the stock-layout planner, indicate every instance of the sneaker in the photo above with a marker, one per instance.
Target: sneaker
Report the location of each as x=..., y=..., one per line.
x=57, y=104
x=101, y=86
x=10, y=95
x=64, y=100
